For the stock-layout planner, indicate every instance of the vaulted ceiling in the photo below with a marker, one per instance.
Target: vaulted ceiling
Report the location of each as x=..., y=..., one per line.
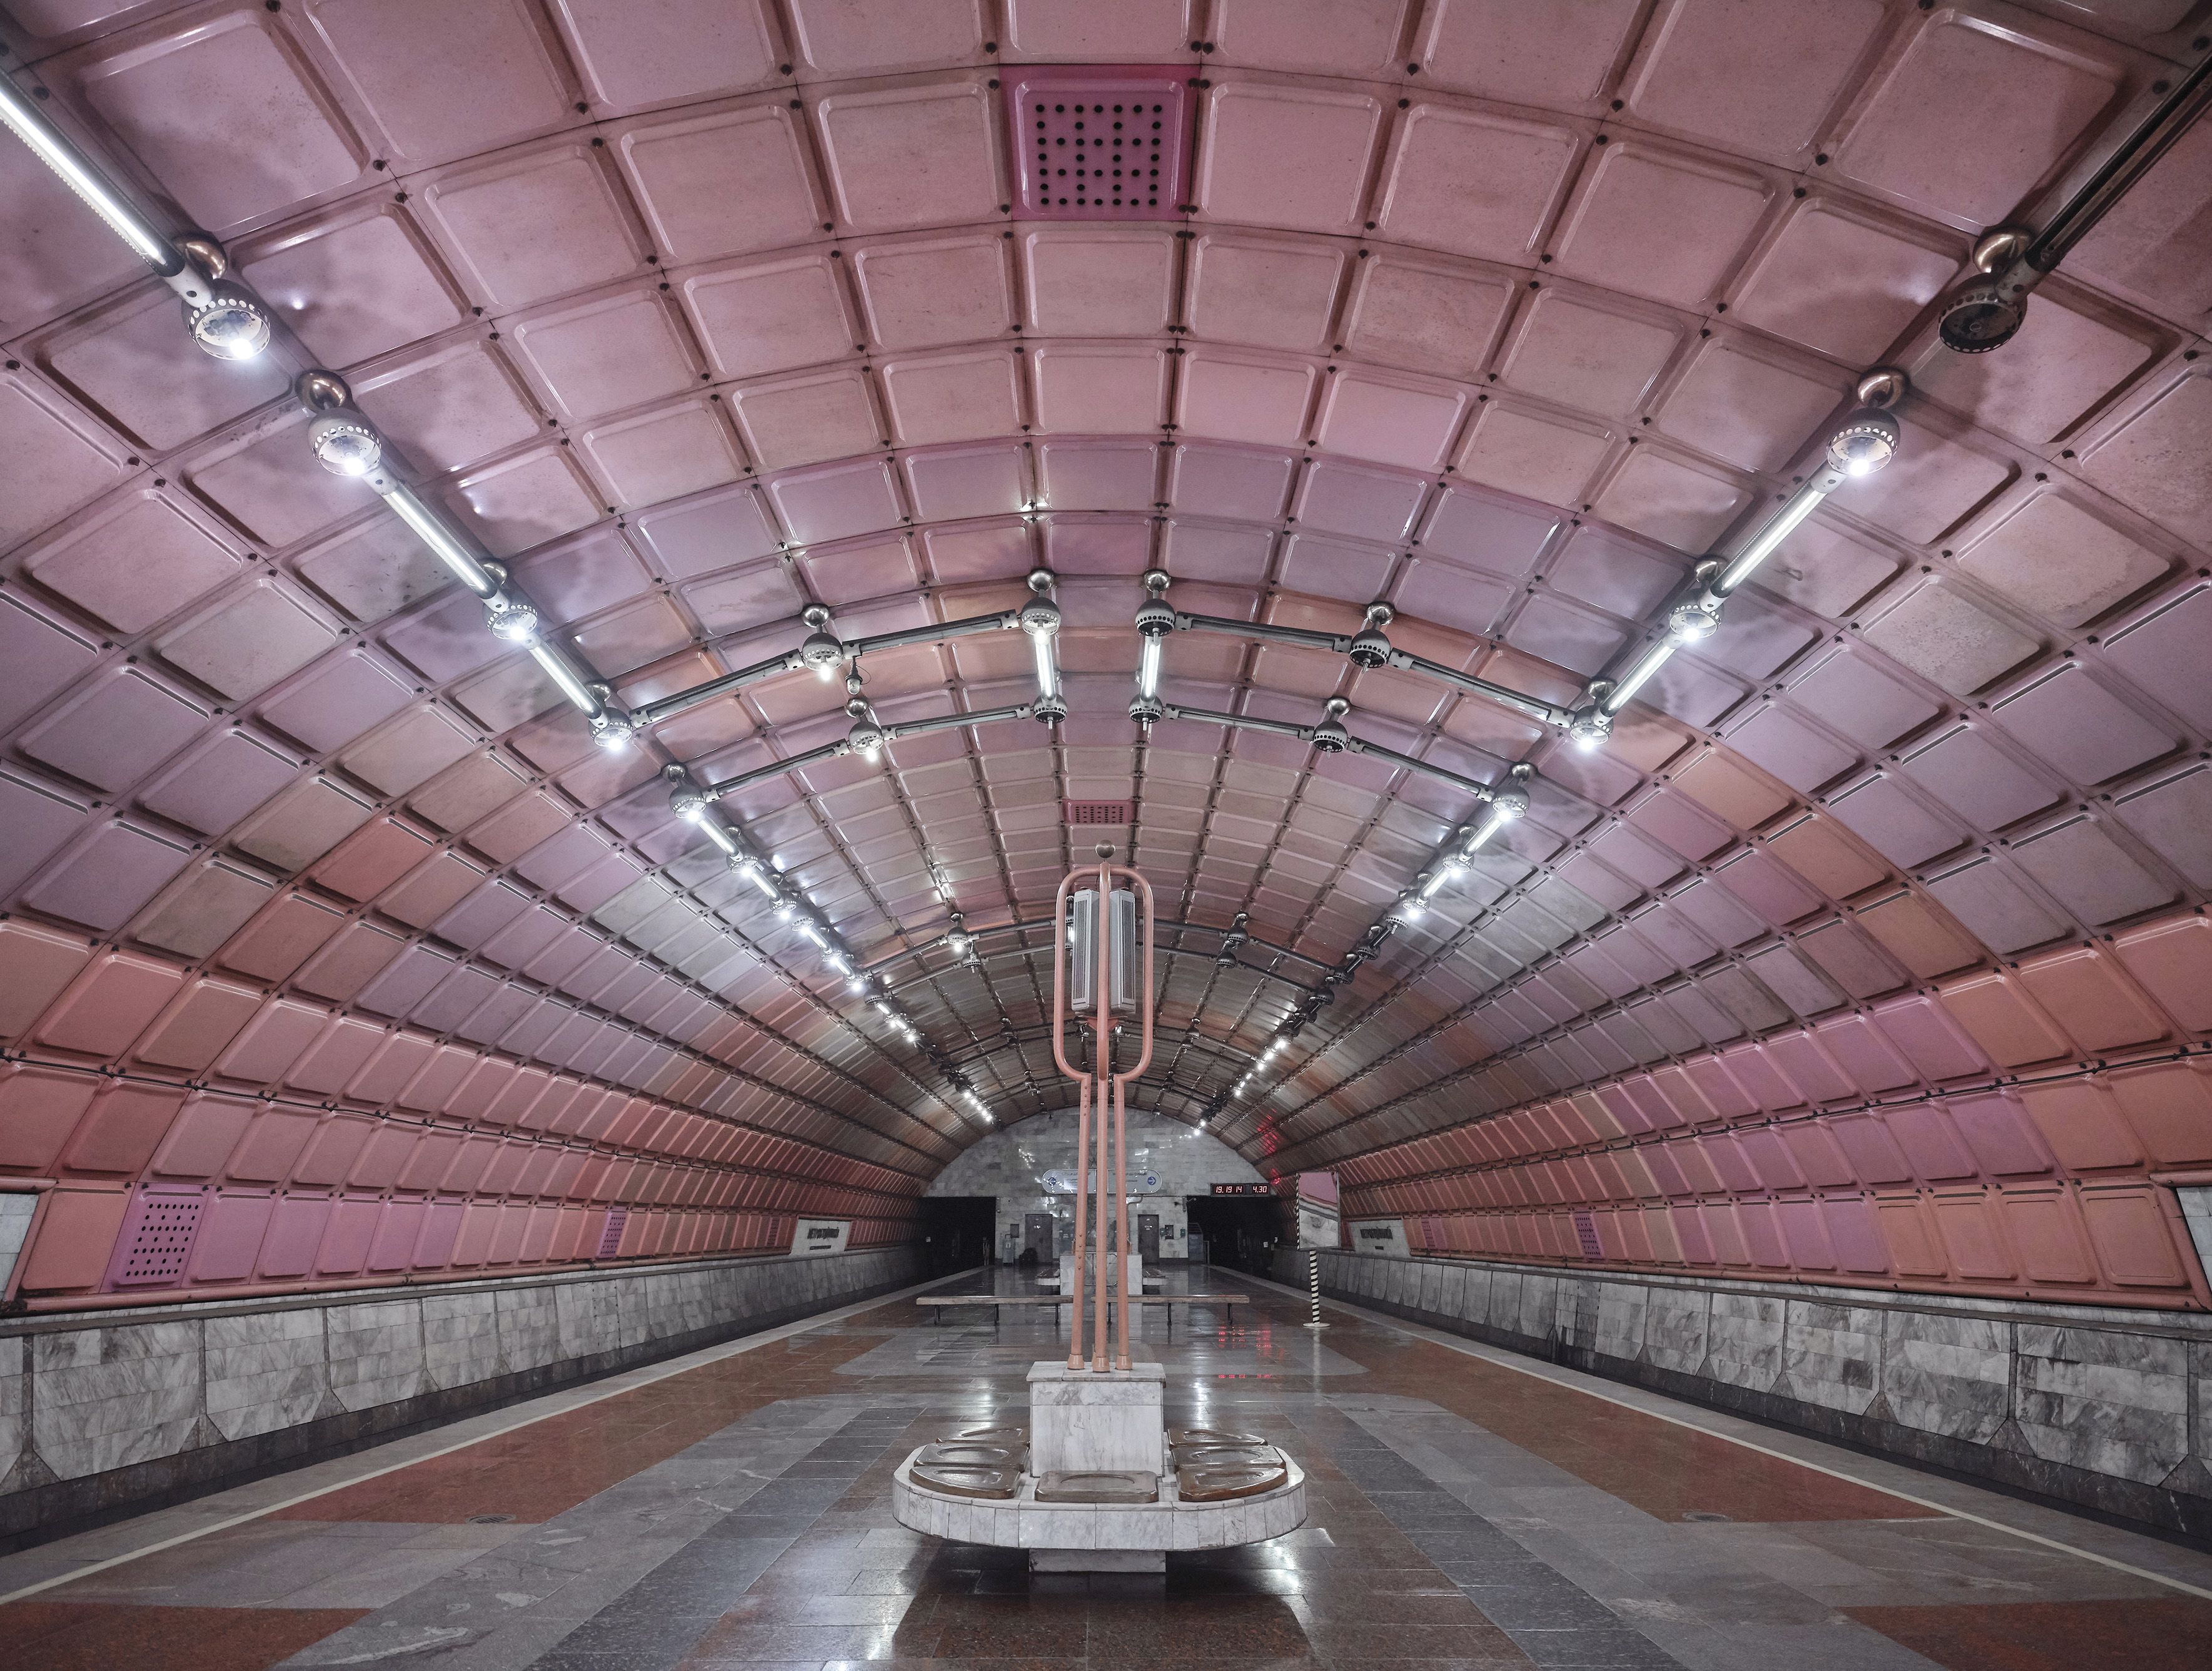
x=699, y=314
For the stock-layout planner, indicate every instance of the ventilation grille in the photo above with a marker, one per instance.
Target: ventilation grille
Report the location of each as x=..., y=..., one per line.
x=1100, y=143
x=1586, y=1233
x=156, y=1243
x=1081, y=812
x=611, y=1236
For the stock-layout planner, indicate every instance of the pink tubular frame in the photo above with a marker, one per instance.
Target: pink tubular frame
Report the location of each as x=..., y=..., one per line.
x=1110, y=1169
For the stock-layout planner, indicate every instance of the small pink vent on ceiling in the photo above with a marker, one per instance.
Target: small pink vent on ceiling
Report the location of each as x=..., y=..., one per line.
x=1096, y=811
x=611, y=1236
x=1100, y=142
x=157, y=1242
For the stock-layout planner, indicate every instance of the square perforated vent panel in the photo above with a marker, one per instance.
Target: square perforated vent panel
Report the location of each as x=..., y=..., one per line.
x=1100, y=143
x=1076, y=812
x=156, y=1245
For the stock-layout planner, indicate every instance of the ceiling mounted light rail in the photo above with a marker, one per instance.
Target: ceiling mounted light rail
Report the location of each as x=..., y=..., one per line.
x=1370, y=647
x=1862, y=443
x=822, y=652
x=1987, y=311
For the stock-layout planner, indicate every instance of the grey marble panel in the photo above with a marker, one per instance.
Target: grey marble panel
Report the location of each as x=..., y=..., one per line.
x=529, y=1321
x=14, y=1390
x=460, y=1338
x=2113, y=1403
x=1675, y=1333
x=265, y=1370
x=1947, y=1374
x=376, y=1352
x=105, y=1397
x=1622, y=1318
x=1832, y=1354
x=1745, y=1343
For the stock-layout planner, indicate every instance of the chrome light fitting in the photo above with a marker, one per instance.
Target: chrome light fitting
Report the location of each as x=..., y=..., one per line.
x=225, y=319
x=1988, y=310
x=1862, y=443
x=1156, y=619
x=59, y=153
x=1040, y=619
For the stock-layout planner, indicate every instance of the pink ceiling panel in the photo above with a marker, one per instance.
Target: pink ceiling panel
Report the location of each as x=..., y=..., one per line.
x=868, y=138
x=441, y=85
x=723, y=183
x=1973, y=112
x=1656, y=223
x=633, y=55
x=140, y=559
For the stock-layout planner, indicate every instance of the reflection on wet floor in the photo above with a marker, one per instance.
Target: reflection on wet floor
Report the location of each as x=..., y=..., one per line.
x=1463, y=1514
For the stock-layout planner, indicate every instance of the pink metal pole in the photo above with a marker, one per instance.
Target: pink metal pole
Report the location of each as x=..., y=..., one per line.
x=1122, y=1221
x=1075, y=1296
x=1101, y=1063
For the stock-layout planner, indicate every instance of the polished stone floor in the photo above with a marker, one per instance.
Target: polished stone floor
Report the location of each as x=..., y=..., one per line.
x=1469, y=1509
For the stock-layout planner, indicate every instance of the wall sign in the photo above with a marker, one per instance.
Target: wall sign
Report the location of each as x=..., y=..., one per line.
x=821, y=1236
x=1058, y=1182
x=1380, y=1235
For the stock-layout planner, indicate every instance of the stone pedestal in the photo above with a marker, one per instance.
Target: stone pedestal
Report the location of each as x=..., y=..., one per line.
x=1081, y=1420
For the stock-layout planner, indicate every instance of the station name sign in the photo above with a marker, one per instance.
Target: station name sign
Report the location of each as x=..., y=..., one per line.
x=1243, y=1189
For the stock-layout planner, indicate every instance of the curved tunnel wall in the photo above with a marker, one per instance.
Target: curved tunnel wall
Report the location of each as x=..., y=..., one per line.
x=323, y=911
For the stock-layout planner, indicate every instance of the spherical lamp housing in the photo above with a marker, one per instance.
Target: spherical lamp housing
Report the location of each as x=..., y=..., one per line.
x=1867, y=441
x=346, y=444
x=230, y=325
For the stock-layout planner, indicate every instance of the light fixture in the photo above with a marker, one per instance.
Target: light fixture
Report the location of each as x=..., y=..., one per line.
x=684, y=799
x=1329, y=736
x=612, y=728
x=866, y=738
x=818, y=649
x=1370, y=646
x=857, y=983
x=1040, y=619
x=512, y=618
x=345, y=445
x=444, y=545
x=555, y=667
x=760, y=876
x=713, y=831
x=1867, y=441
x=812, y=933
x=231, y=324
x=1155, y=621
x=1697, y=617
x=51, y=147
x=1634, y=679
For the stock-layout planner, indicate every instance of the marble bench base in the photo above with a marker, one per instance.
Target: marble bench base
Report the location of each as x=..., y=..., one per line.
x=1065, y=1537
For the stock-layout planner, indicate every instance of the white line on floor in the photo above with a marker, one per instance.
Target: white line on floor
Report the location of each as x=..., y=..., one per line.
x=682, y=1365
x=1535, y=1367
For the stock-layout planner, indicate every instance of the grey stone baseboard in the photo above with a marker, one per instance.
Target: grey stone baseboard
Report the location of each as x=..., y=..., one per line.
x=2094, y=1408
x=151, y=1395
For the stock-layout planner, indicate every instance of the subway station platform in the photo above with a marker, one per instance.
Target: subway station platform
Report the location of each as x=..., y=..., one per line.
x=1470, y=1508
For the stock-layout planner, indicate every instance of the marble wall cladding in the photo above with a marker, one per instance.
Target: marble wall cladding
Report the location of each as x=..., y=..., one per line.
x=2110, y=1403
x=461, y=1338
x=265, y=1370
x=14, y=1390
x=1744, y=1344
x=105, y=1397
x=105, y=1408
x=1831, y=1354
x=1947, y=1374
x=376, y=1352
x=2094, y=1404
x=1676, y=1328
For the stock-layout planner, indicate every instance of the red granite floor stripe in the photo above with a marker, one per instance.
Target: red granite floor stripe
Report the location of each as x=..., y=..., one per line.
x=2144, y=1635
x=76, y=1636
